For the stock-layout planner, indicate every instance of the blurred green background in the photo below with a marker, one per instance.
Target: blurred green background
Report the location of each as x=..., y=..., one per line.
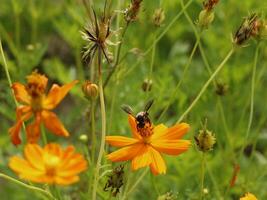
x=45, y=35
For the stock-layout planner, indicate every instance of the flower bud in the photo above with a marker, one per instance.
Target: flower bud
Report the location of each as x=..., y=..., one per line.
x=158, y=17
x=147, y=85
x=205, y=140
x=205, y=18
x=90, y=90
x=83, y=138
x=167, y=196
x=221, y=88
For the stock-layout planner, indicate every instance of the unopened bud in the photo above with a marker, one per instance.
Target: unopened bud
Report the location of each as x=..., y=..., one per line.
x=158, y=17
x=205, y=139
x=90, y=90
x=83, y=138
x=147, y=85
x=221, y=88
x=167, y=196
x=205, y=18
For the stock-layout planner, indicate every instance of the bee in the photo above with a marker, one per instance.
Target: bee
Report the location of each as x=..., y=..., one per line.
x=143, y=123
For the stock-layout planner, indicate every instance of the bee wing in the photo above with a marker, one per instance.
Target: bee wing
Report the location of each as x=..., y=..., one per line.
x=127, y=109
x=148, y=105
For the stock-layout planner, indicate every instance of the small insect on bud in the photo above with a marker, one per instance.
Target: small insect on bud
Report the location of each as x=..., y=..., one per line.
x=167, y=196
x=130, y=14
x=90, y=90
x=205, y=140
x=147, y=85
x=205, y=18
x=115, y=180
x=248, y=29
x=83, y=138
x=158, y=17
x=221, y=88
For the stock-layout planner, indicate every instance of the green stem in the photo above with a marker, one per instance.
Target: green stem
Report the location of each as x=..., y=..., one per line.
x=134, y=185
x=103, y=131
x=203, y=89
x=202, y=177
x=43, y=134
x=30, y=187
x=252, y=93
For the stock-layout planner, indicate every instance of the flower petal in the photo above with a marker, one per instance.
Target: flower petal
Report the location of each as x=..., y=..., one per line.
x=20, y=93
x=33, y=129
x=53, y=149
x=125, y=153
x=173, y=133
x=15, y=130
x=158, y=165
x=120, y=141
x=142, y=159
x=132, y=124
x=56, y=94
x=66, y=180
x=33, y=153
x=171, y=147
x=53, y=124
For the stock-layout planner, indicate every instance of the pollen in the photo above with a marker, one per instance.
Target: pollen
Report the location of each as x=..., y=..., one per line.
x=36, y=84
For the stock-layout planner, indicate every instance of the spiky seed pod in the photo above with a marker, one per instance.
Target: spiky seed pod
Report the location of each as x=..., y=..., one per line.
x=205, y=140
x=130, y=14
x=210, y=4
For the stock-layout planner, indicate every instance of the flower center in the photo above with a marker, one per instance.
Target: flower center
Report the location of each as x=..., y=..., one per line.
x=51, y=162
x=146, y=131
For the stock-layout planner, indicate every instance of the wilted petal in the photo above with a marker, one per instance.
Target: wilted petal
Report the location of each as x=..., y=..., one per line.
x=33, y=129
x=120, y=141
x=56, y=94
x=53, y=124
x=171, y=147
x=20, y=93
x=125, y=153
x=158, y=165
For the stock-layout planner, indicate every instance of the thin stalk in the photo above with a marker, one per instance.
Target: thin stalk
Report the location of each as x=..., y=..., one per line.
x=176, y=89
x=252, y=94
x=134, y=185
x=203, y=89
x=202, y=176
x=30, y=187
x=43, y=134
x=103, y=131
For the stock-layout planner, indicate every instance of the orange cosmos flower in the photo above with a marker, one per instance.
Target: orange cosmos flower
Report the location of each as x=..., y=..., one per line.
x=51, y=164
x=38, y=104
x=248, y=196
x=145, y=149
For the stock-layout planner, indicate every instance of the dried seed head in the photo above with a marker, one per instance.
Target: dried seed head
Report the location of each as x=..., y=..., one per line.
x=205, y=18
x=130, y=14
x=115, y=180
x=147, y=85
x=90, y=90
x=205, y=140
x=221, y=88
x=158, y=17
x=249, y=28
x=210, y=4
x=168, y=196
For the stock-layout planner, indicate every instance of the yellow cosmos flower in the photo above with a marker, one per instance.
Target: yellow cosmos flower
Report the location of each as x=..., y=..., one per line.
x=248, y=196
x=51, y=164
x=145, y=149
x=38, y=104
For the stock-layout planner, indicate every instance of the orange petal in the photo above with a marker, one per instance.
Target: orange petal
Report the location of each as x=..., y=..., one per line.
x=20, y=93
x=132, y=124
x=125, y=153
x=66, y=180
x=56, y=94
x=53, y=124
x=142, y=159
x=33, y=153
x=15, y=130
x=171, y=147
x=33, y=130
x=21, y=166
x=120, y=141
x=73, y=169
x=158, y=165
x=173, y=133
x=54, y=149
